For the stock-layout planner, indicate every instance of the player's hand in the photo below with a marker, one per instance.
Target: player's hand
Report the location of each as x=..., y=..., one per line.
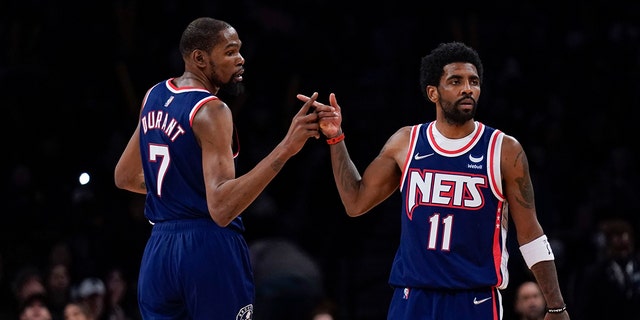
x=304, y=125
x=330, y=117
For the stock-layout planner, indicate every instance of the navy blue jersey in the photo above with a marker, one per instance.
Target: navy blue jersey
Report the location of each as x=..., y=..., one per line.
x=454, y=214
x=172, y=157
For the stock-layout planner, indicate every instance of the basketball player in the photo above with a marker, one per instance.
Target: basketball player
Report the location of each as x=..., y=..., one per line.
x=196, y=262
x=459, y=180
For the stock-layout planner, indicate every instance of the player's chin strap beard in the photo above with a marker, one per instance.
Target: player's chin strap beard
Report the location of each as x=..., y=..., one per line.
x=233, y=88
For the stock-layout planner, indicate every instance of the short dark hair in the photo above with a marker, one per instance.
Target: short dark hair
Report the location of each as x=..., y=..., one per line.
x=202, y=34
x=25, y=275
x=432, y=66
x=32, y=299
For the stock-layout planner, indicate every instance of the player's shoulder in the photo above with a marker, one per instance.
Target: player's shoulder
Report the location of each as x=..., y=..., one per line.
x=405, y=129
x=399, y=140
x=402, y=133
x=511, y=148
x=211, y=109
x=216, y=104
x=510, y=140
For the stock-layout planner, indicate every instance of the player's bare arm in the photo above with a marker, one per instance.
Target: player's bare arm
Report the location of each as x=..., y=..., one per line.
x=213, y=127
x=520, y=195
x=519, y=190
x=547, y=277
x=228, y=196
x=128, y=173
x=380, y=179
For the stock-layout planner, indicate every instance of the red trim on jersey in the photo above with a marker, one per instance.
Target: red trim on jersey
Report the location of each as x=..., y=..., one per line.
x=496, y=304
x=237, y=152
x=407, y=159
x=497, y=247
x=445, y=151
x=491, y=163
x=198, y=106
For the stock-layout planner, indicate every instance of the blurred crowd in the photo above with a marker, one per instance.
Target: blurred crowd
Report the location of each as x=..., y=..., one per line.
x=563, y=80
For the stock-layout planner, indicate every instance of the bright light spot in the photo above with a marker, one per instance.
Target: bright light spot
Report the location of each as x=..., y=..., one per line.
x=84, y=178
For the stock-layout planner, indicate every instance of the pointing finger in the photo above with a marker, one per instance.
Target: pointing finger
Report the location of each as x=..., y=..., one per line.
x=333, y=101
x=309, y=102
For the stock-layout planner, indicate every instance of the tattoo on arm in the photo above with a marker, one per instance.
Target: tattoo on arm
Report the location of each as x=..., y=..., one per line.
x=277, y=165
x=348, y=179
x=526, y=198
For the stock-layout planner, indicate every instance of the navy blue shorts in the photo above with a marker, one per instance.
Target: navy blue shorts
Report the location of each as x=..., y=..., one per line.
x=414, y=303
x=193, y=269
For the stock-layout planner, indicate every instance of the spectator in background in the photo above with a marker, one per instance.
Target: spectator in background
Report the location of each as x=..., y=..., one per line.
x=61, y=253
x=76, y=310
x=325, y=310
x=118, y=307
x=91, y=292
x=58, y=285
x=28, y=282
x=288, y=280
x=529, y=302
x=610, y=287
x=34, y=307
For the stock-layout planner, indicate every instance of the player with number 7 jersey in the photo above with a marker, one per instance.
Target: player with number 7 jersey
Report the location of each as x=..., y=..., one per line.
x=182, y=156
x=164, y=130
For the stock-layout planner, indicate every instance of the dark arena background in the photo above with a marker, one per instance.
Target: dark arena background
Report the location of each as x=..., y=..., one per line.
x=563, y=79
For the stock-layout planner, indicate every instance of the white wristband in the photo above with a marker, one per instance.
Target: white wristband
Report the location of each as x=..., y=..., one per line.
x=536, y=251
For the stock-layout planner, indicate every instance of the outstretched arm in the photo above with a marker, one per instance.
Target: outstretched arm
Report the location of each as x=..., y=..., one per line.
x=228, y=196
x=520, y=196
x=359, y=194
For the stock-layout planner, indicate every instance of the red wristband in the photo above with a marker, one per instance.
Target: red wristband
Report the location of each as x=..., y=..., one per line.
x=335, y=140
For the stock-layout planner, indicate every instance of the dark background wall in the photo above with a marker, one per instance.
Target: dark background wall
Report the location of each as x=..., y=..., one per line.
x=563, y=79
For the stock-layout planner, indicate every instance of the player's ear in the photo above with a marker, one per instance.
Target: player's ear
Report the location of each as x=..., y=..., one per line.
x=198, y=57
x=432, y=93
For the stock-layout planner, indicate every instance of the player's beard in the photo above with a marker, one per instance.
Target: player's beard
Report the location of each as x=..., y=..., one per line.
x=229, y=86
x=233, y=88
x=454, y=115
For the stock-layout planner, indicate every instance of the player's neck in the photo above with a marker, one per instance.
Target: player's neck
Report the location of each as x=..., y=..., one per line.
x=455, y=131
x=191, y=79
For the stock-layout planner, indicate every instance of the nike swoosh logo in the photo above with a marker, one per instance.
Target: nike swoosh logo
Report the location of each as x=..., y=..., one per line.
x=480, y=301
x=420, y=157
x=474, y=159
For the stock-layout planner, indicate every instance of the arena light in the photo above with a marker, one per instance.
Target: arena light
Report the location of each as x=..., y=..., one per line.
x=84, y=178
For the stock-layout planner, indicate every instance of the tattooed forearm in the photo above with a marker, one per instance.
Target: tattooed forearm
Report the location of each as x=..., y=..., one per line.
x=347, y=175
x=526, y=198
x=348, y=180
x=277, y=165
